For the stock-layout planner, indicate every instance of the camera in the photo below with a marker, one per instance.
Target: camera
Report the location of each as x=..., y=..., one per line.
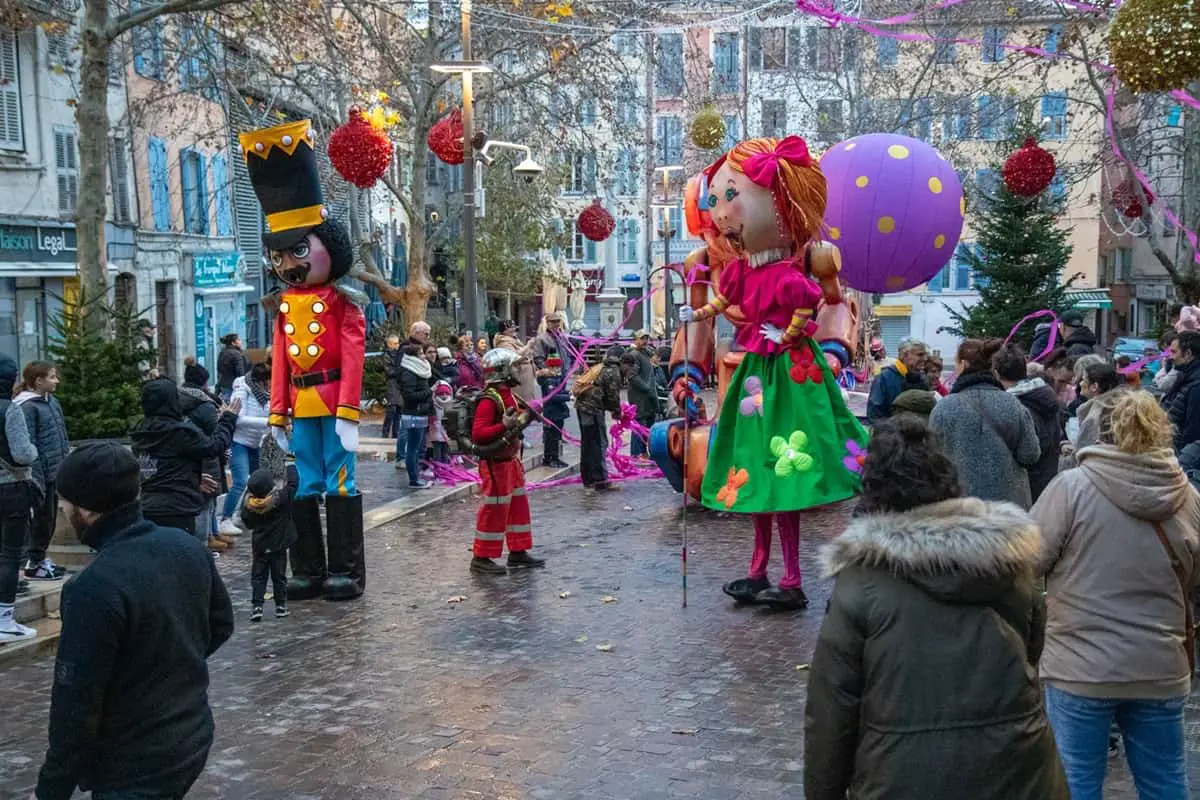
x=528, y=169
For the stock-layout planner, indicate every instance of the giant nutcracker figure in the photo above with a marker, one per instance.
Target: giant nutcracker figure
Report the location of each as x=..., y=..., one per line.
x=784, y=431
x=317, y=360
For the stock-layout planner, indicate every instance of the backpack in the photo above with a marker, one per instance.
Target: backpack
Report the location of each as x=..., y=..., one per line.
x=460, y=417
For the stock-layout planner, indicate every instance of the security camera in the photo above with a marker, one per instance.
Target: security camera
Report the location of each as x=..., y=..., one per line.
x=528, y=169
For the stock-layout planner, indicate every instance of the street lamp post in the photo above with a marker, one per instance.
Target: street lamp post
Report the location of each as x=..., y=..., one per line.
x=667, y=205
x=467, y=69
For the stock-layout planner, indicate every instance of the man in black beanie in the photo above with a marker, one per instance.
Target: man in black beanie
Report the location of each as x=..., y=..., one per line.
x=129, y=714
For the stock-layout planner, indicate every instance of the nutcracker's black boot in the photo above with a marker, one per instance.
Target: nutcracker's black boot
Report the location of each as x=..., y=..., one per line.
x=344, y=531
x=307, y=555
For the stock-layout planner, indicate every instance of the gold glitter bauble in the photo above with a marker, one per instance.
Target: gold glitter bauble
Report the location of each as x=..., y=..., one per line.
x=1155, y=44
x=708, y=129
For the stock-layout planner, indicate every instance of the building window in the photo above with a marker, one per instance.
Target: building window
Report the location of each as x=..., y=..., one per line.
x=726, y=67
x=774, y=118
x=12, y=135
x=587, y=111
x=961, y=271
x=1052, y=37
x=887, y=51
x=431, y=168
x=626, y=44
x=668, y=140
x=629, y=103
x=194, y=185
x=944, y=52
x=628, y=173
x=989, y=118
x=1054, y=114
x=958, y=121
x=160, y=188
x=580, y=248
x=733, y=128
x=581, y=167
x=986, y=183
x=668, y=73
x=58, y=48
x=627, y=241
x=774, y=49
x=939, y=281
x=66, y=167
x=118, y=178
x=993, y=45
x=1058, y=191
x=824, y=51
x=922, y=124
x=829, y=119
x=559, y=106
x=1124, y=264
x=149, y=56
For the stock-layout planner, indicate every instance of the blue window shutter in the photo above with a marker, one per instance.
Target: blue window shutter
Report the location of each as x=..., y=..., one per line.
x=187, y=187
x=201, y=193
x=220, y=176
x=1173, y=116
x=754, y=55
x=732, y=132
x=160, y=192
x=987, y=122
x=1051, y=45
x=935, y=283
x=888, y=51
x=589, y=250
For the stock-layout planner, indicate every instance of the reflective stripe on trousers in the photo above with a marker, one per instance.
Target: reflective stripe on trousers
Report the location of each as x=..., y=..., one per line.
x=504, y=511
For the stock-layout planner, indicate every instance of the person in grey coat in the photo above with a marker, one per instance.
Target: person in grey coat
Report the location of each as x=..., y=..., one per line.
x=48, y=429
x=19, y=493
x=989, y=435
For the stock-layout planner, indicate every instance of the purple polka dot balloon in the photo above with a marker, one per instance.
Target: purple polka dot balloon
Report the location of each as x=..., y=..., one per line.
x=895, y=211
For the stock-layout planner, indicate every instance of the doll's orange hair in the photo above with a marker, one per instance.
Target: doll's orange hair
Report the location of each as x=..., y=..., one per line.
x=799, y=190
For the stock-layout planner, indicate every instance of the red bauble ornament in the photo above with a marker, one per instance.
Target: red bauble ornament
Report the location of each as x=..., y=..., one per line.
x=1028, y=171
x=1125, y=199
x=360, y=152
x=446, y=138
x=595, y=222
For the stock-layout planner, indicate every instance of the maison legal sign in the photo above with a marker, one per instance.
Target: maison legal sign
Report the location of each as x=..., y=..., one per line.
x=40, y=243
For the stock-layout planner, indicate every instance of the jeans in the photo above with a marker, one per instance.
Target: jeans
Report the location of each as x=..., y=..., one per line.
x=205, y=522
x=412, y=433
x=45, y=514
x=1153, y=734
x=391, y=421
x=16, y=504
x=275, y=565
x=593, y=440
x=552, y=441
x=243, y=464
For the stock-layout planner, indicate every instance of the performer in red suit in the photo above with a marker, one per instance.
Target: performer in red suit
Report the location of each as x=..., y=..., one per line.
x=317, y=360
x=496, y=432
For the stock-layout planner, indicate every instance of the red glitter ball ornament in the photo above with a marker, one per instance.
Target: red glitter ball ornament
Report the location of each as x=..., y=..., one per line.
x=360, y=152
x=1125, y=199
x=595, y=222
x=445, y=138
x=1029, y=170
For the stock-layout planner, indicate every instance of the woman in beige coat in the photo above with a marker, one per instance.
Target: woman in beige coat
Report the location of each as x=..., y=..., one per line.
x=1120, y=552
x=506, y=339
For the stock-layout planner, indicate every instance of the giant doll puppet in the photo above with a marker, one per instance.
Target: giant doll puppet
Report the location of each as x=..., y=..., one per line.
x=784, y=433
x=317, y=360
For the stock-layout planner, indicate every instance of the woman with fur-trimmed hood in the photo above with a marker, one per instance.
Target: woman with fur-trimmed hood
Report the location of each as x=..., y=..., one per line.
x=924, y=682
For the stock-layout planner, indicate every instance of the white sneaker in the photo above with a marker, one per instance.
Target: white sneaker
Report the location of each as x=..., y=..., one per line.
x=15, y=632
x=228, y=528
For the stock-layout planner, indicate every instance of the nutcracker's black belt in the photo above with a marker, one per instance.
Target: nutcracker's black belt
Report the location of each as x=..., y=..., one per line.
x=317, y=378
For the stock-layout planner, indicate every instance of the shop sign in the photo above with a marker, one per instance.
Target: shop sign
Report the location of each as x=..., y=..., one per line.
x=211, y=270
x=43, y=243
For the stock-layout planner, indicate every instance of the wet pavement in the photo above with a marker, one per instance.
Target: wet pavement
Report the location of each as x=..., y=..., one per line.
x=585, y=680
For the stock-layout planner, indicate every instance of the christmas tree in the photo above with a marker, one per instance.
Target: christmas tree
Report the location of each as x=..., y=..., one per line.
x=1018, y=262
x=101, y=375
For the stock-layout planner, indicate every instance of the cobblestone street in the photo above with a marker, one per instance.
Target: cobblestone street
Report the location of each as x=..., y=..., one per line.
x=585, y=680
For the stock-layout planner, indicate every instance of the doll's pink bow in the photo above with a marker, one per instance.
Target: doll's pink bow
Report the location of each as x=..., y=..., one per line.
x=761, y=168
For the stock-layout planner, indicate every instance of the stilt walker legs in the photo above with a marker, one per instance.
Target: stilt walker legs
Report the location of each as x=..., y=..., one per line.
x=762, y=547
x=789, y=543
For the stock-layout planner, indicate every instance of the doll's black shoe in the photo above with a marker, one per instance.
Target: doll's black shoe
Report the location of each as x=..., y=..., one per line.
x=746, y=590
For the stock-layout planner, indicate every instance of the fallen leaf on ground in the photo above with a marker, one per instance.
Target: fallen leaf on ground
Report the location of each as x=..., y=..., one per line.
x=604, y=648
x=627, y=508
x=803, y=667
x=608, y=598
x=564, y=595
x=686, y=731
x=580, y=639
x=458, y=598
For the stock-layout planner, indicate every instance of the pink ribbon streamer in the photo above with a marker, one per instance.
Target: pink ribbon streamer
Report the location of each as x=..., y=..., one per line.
x=1045, y=312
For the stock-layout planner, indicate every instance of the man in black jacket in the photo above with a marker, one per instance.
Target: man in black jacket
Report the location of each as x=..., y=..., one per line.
x=643, y=389
x=1182, y=403
x=129, y=712
x=171, y=451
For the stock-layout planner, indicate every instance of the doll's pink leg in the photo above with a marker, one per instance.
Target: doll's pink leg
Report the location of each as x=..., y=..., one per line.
x=789, y=543
x=762, y=546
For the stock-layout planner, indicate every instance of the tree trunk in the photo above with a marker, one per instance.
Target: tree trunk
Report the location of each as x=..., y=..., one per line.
x=92, y=117
x=419, y=287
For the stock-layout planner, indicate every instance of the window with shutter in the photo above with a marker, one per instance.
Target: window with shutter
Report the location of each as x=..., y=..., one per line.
x=774, y=118
x=220, y=177
x=669, y=140
x=774, y=48
x=668, y=76
x=887, y=51
x=1054, y=115
x=66, y=165
x=195, y=191
x=149, y=56
x=627, y=244
x=726, y=66
x=733, y=128
x=58, y=49
x=118, y=177
x=754, y=52
x=11, y=132
x=160, y=190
